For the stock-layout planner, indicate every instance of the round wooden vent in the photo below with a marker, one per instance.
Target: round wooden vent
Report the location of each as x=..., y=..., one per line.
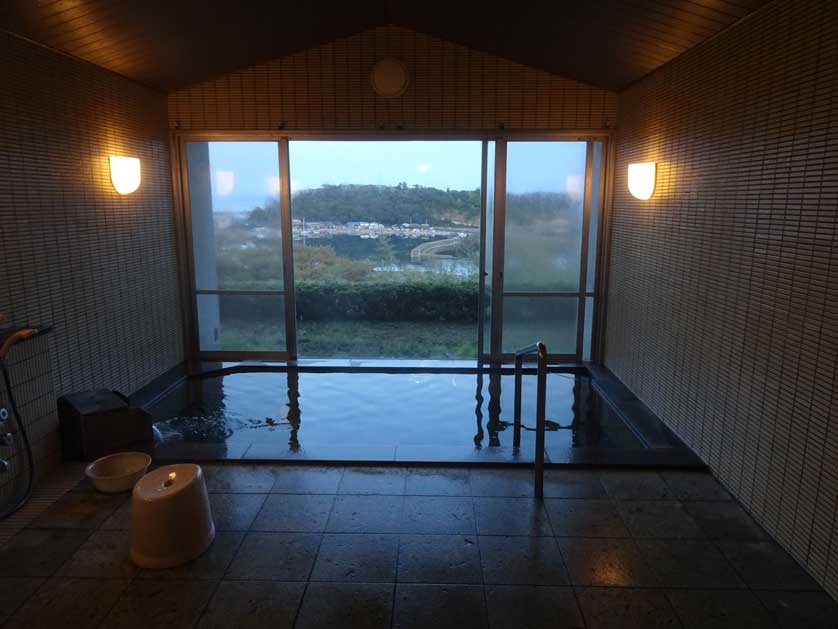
x=390, y=78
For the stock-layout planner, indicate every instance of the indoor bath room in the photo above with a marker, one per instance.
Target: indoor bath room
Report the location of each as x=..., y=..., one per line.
x=392, y=315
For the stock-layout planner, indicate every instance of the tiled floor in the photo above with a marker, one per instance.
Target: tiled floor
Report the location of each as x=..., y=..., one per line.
x=408, y=548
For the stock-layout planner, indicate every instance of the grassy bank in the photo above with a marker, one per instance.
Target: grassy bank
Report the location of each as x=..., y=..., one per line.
x=362, y=339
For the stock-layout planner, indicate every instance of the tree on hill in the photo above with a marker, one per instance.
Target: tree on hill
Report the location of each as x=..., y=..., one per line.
x=394, y=205
x=389, y=205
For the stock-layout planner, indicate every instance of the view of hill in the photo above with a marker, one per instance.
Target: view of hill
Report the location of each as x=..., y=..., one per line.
x=367, y=275
x=394, y=205
x=387, y=204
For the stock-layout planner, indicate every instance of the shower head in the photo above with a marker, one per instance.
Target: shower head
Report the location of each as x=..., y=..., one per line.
x=14, y=338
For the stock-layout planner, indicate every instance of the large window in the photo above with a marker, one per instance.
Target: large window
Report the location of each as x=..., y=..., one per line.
x=392, y=249
x=386, y=248
x=545, y=189
x=237, y=250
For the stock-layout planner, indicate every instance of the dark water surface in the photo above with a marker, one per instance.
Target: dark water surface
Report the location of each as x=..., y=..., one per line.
x=385, y=409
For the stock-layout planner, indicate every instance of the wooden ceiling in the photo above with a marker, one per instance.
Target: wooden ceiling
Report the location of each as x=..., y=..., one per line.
x=607, y=43
x=168, y=44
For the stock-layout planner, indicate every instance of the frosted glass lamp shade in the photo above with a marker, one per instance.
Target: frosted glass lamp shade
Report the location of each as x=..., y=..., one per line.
x=125, y=174
x=641, y=180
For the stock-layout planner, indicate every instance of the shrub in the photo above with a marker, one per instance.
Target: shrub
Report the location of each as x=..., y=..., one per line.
x=451, y=300
x=438, y=299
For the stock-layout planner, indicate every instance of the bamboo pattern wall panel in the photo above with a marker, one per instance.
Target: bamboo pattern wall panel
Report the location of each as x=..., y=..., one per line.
x=723, y=291
x=99, y=267
x=452, y=87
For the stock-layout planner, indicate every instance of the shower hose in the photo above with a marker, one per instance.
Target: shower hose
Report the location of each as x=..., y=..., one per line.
x=9, y=510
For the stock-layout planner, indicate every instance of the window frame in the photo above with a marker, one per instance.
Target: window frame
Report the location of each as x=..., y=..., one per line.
x=183, y=230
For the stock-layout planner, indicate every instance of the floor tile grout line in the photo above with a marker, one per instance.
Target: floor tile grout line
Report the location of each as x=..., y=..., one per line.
x=404, y=496
x=396, y=580
x=716, y=544
x=320, y=542
x=574, y=589
x=204, y=579
x=683, y=501
x=250, y=529
x=747, y=586
x=90, y=533
x=769, y=613
x=765, y=607
x=206, y=604
x=480, y=558
x=20, y=605
x=558, y=547
x=220, y=580
x=258, y=513
x=663, y=591
x=591, y=586
x=673, y=608
x=299, y=607
x=118, y=598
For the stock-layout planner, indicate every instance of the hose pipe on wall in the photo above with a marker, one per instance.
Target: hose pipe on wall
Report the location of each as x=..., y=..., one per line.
x=20, y=335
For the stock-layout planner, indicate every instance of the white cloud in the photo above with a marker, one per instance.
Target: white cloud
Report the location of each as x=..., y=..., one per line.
x=423, y=168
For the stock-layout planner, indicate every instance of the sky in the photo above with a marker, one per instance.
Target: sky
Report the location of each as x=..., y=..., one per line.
x=244, y=174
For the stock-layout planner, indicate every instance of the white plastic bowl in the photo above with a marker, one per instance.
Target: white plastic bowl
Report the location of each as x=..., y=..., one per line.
x=118, y=472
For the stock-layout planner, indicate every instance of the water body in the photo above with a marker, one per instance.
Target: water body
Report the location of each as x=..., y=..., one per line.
x=361, y=409
x=358, y=248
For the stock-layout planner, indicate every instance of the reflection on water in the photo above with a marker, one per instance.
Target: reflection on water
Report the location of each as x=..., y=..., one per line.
x=457, y=267
x=386, y=409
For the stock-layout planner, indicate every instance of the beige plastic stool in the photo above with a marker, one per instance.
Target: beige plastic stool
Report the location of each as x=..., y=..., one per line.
x=171, y=521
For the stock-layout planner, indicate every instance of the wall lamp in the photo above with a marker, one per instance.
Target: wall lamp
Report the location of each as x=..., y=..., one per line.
x=125, y=174
x=641, y=180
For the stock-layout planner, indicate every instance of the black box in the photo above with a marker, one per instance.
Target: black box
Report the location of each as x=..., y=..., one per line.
x=96, y=423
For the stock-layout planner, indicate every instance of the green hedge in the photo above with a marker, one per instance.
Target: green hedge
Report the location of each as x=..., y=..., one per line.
x=426, y=301
x=380, y=301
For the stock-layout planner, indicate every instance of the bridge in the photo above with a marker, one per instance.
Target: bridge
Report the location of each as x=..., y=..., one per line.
x=435, y=248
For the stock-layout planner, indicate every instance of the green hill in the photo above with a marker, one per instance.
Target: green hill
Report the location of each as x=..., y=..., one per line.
x=394, y=205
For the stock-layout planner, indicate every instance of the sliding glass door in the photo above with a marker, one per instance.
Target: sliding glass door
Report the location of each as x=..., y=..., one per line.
x=239, y=249
x=541, y=211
